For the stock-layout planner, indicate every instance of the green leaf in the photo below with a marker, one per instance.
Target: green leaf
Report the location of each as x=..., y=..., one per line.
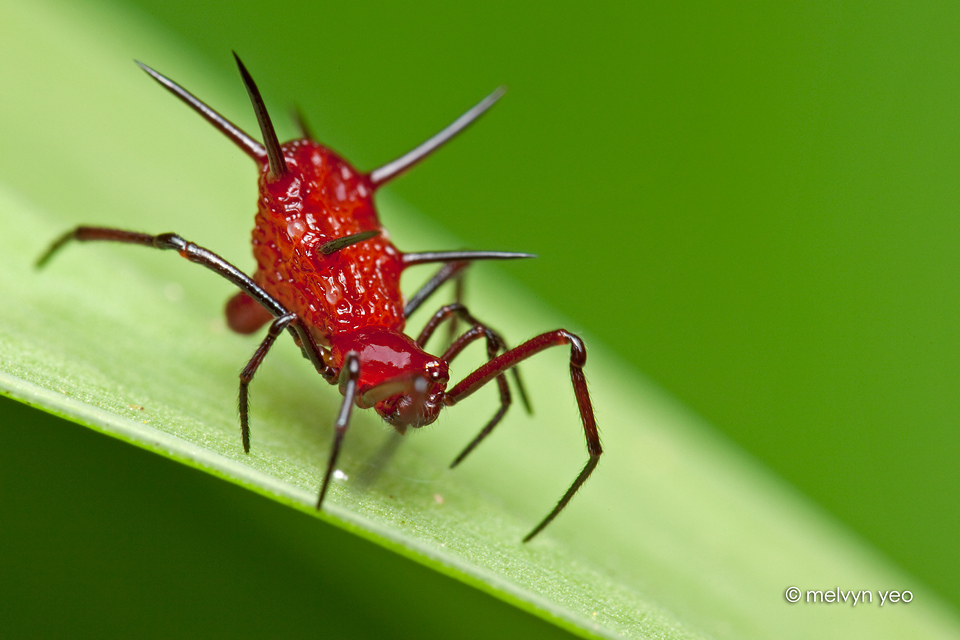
x=676, y=535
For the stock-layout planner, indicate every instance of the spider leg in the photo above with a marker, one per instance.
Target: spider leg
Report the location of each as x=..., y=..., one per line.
x=454, y=263
x=494, y=346
x=458, y=299
x=446, y=272
x=449, y=271
x=349, y=387
x=578, y=357
x=204, y=257
x=457, y=310
x=349, y=378
x=195, y=253
x=246, y=376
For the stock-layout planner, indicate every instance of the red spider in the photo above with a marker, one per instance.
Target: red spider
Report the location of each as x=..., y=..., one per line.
x=328, y=273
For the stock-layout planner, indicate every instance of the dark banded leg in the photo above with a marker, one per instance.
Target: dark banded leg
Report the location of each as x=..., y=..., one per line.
x=246, y=376
x=455, y=263
x=457, y=299
x=166, y=241
x=349, y=377
x=199, y=255
x=494, y=346
x=446, y=272
x=578, y=357
x=204, y=257
x=457, y=310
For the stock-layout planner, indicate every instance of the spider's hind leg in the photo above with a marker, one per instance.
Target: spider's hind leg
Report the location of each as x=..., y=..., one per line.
x=578, y=356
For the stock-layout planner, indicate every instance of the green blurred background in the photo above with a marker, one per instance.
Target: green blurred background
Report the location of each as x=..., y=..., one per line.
x=755, y=204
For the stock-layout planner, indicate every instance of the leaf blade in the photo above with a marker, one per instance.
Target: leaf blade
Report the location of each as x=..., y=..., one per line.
x=104, y=331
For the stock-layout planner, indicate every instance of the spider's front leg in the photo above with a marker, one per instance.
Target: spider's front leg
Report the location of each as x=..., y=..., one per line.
x=349, y=382
x=356, y=393
x=193, y=252
x=578, y=357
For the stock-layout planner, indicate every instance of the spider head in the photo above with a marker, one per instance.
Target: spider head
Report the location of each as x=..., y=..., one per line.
x=420, y=402
x=405, y=384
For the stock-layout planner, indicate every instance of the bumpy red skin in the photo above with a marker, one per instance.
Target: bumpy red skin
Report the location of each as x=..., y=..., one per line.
x=320, y=199
x=349, y=300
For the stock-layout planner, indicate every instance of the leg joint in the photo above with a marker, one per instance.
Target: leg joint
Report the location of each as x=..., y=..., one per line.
x=170, y=241
x=578, y=352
